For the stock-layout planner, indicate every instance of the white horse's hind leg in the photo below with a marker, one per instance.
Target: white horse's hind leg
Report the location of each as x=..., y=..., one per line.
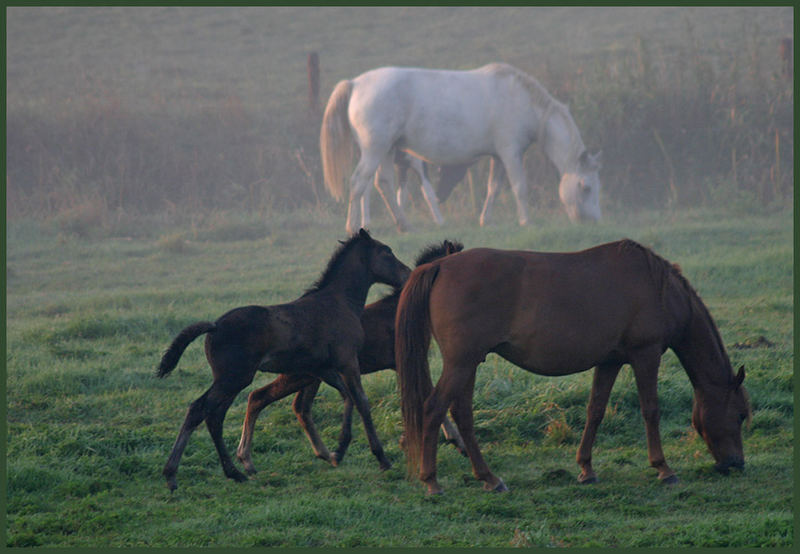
x=384, y=182
x=427, y=189
x=359, y=182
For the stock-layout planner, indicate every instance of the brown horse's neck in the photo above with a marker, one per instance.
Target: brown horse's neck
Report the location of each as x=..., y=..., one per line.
x=701, y=350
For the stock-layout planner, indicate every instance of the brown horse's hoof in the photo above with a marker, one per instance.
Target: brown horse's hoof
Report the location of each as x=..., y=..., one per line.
x=591, y=480
x=671, y=480
x=500, y=487
x=386, y=465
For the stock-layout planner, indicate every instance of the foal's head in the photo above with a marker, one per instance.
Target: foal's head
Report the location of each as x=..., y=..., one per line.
x=383, y=266
x=579, y=189
x=718, y=415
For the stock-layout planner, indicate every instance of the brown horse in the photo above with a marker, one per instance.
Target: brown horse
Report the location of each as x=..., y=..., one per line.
x=558, y=314
x=317, y=336
x=376, y=354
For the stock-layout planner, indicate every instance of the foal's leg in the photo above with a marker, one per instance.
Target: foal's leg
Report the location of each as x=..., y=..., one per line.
x=348, y=382
x=346, y=434
x=194, y=417
x=604, y=377
x=302, y=409
x=211, y=407
x=645, y=369
x=259, y=399
x=214, y=421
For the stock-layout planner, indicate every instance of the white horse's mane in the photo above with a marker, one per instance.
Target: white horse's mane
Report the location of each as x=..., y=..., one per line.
x=549, y=106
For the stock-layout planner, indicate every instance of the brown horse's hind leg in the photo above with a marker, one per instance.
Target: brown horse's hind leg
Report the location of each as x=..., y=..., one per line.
x=461, y=410
x=604, y=377
x=645, y=369
x=259, y=399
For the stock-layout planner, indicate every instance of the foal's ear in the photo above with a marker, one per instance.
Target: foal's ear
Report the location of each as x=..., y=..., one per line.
x=739, y=377
x=364, y=234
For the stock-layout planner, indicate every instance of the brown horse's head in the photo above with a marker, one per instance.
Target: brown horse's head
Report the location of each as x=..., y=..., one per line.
x=717, y=416
x=383, y=265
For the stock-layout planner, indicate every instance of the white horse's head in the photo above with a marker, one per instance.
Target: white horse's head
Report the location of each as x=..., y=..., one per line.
x=579, y=189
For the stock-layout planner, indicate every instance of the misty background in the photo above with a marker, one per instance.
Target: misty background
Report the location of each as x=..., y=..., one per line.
x=114, y=113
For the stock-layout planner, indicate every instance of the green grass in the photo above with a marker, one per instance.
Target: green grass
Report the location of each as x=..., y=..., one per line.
x=89, y=426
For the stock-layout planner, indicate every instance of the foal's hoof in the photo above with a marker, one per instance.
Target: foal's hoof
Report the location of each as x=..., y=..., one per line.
x=237, y=476
x=385, y=465
x=172, y=484
x=500, y=487
x=334, y=459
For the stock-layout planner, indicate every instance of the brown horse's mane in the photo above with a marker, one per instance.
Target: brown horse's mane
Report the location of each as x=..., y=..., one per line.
x=662, y=270
x=335, y=261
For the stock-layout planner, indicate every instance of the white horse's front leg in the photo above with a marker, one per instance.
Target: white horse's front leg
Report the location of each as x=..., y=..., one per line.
x=519, y=186
x=495, y=178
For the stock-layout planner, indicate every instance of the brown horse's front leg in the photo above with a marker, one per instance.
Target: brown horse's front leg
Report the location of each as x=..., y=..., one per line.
x=645, y=369
x=604, y=377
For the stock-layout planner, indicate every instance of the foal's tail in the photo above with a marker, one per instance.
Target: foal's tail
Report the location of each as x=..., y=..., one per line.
x=335, y=139
x=412, y=340
x=171, y=356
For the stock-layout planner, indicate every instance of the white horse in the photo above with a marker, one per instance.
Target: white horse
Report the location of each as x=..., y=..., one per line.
x=450, y=118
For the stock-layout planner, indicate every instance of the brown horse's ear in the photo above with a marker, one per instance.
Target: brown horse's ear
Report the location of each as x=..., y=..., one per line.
x=739, y=377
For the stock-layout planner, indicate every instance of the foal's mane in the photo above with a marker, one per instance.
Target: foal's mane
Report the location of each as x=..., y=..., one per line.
x=430, y=253
x=336, y=260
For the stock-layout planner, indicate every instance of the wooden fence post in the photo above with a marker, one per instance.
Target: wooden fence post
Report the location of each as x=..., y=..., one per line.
x=313, y=82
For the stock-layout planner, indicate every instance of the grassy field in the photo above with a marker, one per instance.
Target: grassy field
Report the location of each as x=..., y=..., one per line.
x=163, y=167
x=89, y=426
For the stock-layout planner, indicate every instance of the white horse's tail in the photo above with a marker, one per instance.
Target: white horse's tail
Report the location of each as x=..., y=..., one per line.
x=335, y=139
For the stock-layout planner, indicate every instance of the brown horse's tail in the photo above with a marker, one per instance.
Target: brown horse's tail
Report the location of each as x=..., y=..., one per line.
x=412, y=340
x=335, y=139
x=171, y=356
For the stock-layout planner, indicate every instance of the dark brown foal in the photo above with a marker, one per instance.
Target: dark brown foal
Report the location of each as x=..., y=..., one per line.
x=316, y=337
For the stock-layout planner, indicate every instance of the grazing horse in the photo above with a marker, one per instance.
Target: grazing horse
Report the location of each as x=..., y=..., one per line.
x=318, y=335
x=376, y=354
x=558, y=314
x=450, y=118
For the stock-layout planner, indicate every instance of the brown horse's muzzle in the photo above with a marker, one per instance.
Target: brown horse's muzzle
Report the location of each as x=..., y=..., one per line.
x=728, y=463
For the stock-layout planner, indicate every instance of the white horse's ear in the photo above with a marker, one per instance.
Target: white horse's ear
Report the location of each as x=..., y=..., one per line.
x=591, y=162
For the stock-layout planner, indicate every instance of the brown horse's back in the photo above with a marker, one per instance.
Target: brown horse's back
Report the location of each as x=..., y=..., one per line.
x=528, y=306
